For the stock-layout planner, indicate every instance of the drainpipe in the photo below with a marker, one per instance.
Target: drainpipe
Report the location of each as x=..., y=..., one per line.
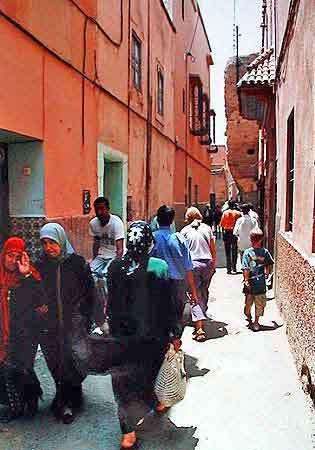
x=149, y=121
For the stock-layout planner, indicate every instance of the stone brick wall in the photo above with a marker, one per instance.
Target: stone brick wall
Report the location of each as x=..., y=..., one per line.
x=296, y=300
x=77, y=229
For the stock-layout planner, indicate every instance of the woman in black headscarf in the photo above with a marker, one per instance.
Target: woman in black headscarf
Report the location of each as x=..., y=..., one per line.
x=143, y=319
x=69, y=286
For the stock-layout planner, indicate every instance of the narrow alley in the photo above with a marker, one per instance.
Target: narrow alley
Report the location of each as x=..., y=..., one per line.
x=243, y=393
x=132, y=133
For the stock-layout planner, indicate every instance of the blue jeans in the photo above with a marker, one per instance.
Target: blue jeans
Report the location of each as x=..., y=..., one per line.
x=99, y=267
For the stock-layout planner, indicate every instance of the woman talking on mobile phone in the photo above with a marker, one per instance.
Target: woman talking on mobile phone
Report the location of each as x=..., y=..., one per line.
x=22, y=309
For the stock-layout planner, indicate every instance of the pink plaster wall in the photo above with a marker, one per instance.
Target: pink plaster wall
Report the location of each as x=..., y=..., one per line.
x=296, y=90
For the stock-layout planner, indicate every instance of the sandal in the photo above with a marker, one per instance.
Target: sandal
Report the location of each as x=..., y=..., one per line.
x=200, y=336
x=248, y=316
x=129, y=442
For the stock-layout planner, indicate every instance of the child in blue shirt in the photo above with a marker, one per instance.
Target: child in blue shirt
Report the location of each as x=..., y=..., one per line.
x=256, y=264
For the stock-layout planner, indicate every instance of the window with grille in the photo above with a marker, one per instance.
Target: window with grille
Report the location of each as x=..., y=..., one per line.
x=290, y=172
x=160, y=92
x=136, y=61
x=196, y=107
x=205, y=123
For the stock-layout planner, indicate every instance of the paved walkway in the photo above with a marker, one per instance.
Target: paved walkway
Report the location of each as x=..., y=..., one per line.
x=243, y=394
x=251, y=398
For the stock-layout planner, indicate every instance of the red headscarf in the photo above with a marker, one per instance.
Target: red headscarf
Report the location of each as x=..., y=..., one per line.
x=9, y=280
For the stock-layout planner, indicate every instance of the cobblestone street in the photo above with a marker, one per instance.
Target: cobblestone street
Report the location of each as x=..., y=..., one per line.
x=243, y=394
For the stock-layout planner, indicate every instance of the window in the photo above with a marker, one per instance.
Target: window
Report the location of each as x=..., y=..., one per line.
x=251, y=152
x=136, y=61
x=160, y=92
x=196, y=106
x=183, y=9
x=207, y=113
x=184, y=101
x=290, y=172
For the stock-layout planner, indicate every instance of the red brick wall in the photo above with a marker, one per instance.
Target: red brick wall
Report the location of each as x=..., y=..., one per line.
x=242, y=134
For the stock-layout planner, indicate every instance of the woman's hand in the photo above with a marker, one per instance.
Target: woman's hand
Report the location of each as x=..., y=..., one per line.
x=42, y=310
x=177, y=343
x=24, y=264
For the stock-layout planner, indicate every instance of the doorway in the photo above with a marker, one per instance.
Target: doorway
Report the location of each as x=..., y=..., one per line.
x=113, y=176
x=113, y=179
x=4, y=194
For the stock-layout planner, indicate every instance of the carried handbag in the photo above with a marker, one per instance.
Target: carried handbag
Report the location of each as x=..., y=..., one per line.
x=170, y=384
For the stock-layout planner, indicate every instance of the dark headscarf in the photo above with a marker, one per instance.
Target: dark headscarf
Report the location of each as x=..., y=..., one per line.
x=140, y=242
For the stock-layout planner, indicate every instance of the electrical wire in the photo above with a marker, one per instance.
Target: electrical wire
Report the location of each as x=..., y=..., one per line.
x=100, y=28
x=194, y=35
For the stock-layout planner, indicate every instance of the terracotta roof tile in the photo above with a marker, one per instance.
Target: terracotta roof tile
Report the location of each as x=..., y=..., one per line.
x=261, y=72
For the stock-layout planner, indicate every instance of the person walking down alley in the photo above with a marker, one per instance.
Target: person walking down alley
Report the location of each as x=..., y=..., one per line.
x=203, y=254
x=21, y=310
x=70, y=289
x=217, y=215
x=257, y=263
x=253, y=214
x=243, y=226
x=108, y=235
x=173, y=248
x=228, y=222
x=143, y=320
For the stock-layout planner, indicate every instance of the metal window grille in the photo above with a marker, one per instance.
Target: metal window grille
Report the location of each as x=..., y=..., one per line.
x=207, y=139
x=136, y=61
x=160, y=102
x=196, y=107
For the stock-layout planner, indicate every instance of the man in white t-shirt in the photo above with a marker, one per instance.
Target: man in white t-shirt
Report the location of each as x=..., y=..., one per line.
x=108, y=232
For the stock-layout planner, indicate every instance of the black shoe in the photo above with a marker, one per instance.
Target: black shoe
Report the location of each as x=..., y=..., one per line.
x=229, y=272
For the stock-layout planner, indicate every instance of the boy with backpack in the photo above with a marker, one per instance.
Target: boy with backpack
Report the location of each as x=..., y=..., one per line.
x=257, y=263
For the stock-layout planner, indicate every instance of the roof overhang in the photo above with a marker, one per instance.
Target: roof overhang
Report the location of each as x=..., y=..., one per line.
x=254, y=102
x=256, y=88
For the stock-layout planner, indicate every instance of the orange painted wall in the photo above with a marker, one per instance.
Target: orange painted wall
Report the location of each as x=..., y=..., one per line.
x=44, y=95
x=196, y=153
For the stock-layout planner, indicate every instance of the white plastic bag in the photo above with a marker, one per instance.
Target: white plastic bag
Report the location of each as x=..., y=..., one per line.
x=170, y=384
